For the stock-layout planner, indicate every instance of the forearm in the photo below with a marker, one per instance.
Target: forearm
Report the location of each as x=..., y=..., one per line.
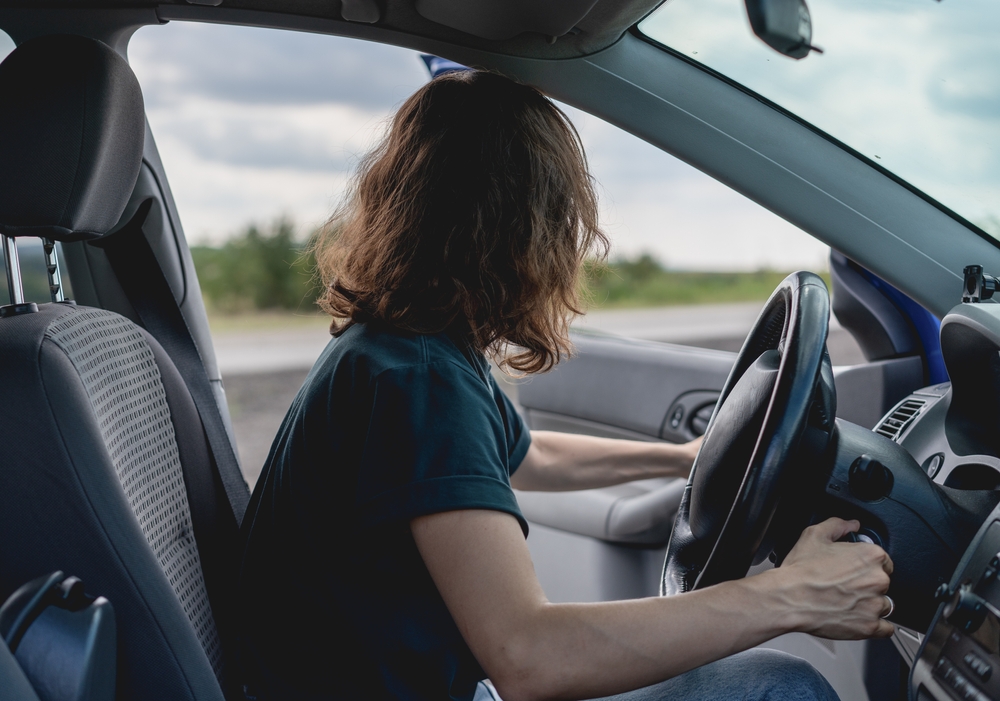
x=532, y=649
x=590, y=650
x=566, y=461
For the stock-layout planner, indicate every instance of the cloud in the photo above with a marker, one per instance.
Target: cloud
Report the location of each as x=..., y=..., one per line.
x=256, y=123
x=216, y=199
x=250, y=65
x=314, y=137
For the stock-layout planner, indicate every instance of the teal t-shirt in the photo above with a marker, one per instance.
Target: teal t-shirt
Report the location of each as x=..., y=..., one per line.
x=334, y=598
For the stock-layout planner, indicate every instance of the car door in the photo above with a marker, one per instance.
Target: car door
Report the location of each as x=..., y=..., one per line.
x=603, y=544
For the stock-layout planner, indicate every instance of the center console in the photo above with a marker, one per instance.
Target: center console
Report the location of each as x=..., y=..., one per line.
x=960, y=656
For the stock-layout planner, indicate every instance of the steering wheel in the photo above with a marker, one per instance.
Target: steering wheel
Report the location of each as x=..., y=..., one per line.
x=779, y=388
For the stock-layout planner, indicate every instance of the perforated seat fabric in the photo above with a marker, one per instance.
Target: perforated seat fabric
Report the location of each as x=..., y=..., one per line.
x=122, y=380
x=91, y=483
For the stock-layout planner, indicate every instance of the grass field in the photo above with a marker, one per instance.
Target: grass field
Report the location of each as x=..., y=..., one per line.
x=643, y=282
x=260, y=281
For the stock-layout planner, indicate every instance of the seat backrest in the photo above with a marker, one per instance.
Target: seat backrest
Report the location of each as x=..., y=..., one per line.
x=105, y=472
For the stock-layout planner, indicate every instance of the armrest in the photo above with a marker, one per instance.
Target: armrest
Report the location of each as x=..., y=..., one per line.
x=640, y=512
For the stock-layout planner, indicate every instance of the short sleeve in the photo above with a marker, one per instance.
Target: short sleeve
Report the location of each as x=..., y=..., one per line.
x=436, y=441
x=518, y=435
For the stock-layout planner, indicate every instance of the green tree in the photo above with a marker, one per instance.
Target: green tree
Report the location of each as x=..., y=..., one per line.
x=264, y=267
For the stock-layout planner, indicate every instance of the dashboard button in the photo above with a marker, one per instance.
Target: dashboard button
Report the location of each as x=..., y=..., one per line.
x=677, y=417
x=945, y=670
x=968, y=611
x=978, y=665
x=933, y=464
x=947, y=673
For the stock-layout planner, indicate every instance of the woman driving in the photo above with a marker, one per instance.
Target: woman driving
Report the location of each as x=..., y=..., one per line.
x=385, y=554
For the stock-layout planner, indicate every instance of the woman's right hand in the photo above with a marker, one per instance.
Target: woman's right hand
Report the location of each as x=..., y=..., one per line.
x=835, y=589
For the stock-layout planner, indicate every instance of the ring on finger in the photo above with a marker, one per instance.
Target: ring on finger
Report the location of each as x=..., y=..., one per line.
x=892, y=607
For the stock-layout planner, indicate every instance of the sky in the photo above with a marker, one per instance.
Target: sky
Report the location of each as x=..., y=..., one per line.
x=253, y=124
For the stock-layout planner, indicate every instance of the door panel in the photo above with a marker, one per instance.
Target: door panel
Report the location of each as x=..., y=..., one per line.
x=621, y=388
x=627, y=384
x=618, y=388
x=613, y=572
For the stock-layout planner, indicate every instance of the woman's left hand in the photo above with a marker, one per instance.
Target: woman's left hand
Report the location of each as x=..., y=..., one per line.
x=687, y=452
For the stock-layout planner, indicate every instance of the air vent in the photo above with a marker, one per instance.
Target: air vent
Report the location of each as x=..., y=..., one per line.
x=893, y=425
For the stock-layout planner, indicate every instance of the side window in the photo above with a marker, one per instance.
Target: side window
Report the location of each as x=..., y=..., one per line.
x=692, y=261
x=259, y=130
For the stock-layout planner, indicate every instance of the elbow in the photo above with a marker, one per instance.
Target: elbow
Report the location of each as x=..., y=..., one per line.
x=520, y=671
x=510, y=689
x=518, y=688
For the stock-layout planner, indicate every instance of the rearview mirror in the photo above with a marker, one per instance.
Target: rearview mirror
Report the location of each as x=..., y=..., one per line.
x=784, y=25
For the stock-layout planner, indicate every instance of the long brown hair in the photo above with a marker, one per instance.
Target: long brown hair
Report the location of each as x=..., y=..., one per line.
x=475, y=213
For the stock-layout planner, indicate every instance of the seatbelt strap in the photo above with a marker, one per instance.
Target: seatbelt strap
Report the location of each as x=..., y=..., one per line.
x=141, y=277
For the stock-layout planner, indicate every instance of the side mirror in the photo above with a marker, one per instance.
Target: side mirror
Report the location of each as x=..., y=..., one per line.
x=784, y=25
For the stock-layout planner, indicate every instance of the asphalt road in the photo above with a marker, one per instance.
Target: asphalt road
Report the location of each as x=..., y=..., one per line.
x=264, y=368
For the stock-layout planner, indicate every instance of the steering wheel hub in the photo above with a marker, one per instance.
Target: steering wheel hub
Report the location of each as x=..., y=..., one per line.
x=733, y=433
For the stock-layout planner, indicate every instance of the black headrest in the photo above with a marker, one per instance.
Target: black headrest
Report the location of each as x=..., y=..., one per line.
x=72, y=127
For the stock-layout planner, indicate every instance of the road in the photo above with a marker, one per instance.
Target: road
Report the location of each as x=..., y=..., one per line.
x=720, y=326
x=264, y=367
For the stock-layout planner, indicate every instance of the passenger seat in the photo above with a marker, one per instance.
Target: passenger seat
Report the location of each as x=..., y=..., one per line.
x=105, y=470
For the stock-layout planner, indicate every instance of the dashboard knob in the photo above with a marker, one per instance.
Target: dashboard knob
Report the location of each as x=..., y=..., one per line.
x=869, y=479
x=967, y=612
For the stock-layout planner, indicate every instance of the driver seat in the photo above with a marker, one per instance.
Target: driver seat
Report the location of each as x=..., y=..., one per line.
x=105, y=470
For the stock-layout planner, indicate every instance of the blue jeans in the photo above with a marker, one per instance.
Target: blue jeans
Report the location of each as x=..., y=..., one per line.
x=754, y=675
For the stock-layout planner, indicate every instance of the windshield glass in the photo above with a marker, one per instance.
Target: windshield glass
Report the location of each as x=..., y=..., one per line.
x=914, y=85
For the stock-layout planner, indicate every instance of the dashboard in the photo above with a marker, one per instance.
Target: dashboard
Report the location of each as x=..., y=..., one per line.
x=918, y=423
x=951, y=432
x=960, y=656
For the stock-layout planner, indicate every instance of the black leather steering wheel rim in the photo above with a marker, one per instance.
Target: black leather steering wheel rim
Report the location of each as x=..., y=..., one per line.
x=785, y=348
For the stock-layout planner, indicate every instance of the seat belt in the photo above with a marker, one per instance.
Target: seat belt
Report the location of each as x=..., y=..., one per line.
x=146, y=287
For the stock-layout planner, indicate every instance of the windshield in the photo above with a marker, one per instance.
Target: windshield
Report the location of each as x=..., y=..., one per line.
x=914, y=85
